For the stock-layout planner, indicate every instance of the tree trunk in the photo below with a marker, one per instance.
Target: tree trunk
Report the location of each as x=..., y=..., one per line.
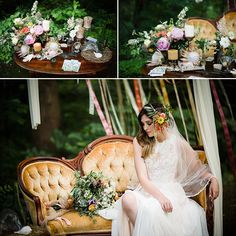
x=50, y=114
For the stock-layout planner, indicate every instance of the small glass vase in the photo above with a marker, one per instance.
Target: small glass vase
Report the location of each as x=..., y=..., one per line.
x=226, y=62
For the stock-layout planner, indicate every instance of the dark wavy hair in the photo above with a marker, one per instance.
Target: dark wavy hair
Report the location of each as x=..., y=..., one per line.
x=144, y=141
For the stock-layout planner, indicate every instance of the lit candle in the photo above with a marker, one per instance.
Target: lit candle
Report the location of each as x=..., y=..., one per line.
x=37, y=47
x=189, y=31
x=46, y=25
x=173, y=54
x=87, y=22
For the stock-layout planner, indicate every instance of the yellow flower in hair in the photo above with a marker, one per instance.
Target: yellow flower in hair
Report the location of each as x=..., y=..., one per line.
x=160, y=120
x=92, y=207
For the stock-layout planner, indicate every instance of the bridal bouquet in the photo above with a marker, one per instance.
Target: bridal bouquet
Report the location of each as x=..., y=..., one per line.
x=92, y=192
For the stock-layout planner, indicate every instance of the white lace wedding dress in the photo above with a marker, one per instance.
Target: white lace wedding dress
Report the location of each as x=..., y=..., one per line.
x=187, y=218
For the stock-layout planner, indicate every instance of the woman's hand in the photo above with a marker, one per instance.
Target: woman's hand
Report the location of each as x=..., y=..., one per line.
x=166, y=204
x=213, y=189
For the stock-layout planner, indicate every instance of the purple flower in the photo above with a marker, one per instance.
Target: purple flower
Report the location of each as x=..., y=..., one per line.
x=92, y=201
x=29, y=39
x=163, y=44
x=177, y=33
x=38, y=29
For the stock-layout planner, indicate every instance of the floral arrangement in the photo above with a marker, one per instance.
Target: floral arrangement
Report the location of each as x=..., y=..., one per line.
x=163, y=37
x=93, y=192
x=30, y=30
x=160, y=119
x=223, y=38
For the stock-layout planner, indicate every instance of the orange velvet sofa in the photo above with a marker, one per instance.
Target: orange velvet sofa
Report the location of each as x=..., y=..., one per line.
x=44, y=179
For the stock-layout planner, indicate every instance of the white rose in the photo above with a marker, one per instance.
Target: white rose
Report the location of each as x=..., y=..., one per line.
x=224, y=42
x=46, y=25
x=160, y=27
x=32, y=30
x=147, y=42
x=18, y=21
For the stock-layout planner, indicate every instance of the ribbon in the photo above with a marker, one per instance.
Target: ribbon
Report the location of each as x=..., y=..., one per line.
x=226, y=130
x=120, y=105
x=113, y=109
x=106, y=126
x=164, y=92
x=131, y=96
x=105, y=102
x=33, y=94
x=143, y=96
x=137, y=95
x=227, y=99
x=160, y=97
x=193, y=107
x=180, y=109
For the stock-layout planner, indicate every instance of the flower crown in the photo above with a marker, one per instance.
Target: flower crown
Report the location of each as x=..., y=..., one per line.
x=160, y=119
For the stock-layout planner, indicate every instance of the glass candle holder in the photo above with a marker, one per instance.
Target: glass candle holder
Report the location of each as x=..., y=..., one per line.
x=37, y=47
x=87, y=22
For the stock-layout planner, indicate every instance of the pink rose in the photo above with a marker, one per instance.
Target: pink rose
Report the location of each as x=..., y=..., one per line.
x=163, y=44
x=29, y=39
x=38, y=30
x=177, y=33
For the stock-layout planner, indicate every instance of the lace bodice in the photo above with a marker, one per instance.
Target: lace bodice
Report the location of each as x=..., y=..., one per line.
x=161, y=164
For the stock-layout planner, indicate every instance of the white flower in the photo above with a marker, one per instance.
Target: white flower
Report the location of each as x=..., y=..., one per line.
x=18, y=21
x=72, y=34
x=224, y=42
x=77, y=27
x=147, y=42
x=146, y=35
x=231, y=35
x=212, y=42
x=32, y=30
x=14, y=40
x=160, y=27
x=198, y=1
x=132, y=41
x=71, y=23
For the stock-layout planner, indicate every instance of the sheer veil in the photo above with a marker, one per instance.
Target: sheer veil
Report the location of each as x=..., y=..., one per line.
x=191, y=173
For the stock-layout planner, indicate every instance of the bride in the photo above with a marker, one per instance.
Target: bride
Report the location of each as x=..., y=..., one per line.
x=169, y=172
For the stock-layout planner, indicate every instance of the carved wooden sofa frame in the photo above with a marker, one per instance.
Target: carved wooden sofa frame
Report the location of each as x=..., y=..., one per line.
x=43, y=179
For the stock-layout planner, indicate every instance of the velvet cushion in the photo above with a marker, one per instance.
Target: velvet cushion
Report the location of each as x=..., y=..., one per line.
x=205, y=30
x=115, y=160
x=79, y=224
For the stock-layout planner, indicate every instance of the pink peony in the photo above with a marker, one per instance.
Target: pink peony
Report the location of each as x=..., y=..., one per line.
x=163, y=44
x=177, y=33
x=38, y=30
x=29, y=39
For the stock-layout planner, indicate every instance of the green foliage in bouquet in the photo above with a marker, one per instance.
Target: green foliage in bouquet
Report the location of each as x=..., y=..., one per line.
x=60, y=12
x=92, y=192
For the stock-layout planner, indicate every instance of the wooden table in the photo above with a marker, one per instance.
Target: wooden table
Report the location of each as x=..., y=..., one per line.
x=47, y=67
x=208, y=73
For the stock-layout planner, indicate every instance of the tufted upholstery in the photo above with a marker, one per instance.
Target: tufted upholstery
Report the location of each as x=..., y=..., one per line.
x=115, y=160
x=206, y=29
x=230, y=20
x=46, y=179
